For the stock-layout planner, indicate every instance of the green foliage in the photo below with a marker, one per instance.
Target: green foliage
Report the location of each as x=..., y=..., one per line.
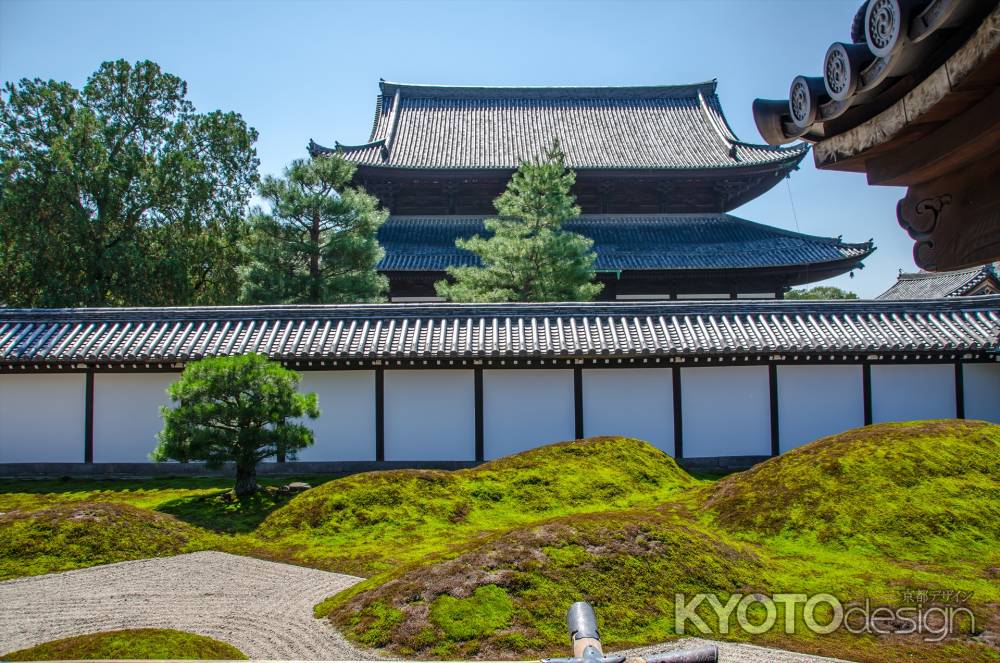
x=528, y=257
x=819, y=292
x=318, y=245
x=73, y=536
x=120, y=193
x=487, y=610
x=235, y=409
x=141, y=643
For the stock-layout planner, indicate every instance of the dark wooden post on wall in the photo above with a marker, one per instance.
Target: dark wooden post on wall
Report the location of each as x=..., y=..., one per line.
x=578, y=401
x=88, y=420
x=379, y=413
x=959, y=390
x=480, y=444
x=772, y=380
x=866, y=391
x=678, y=415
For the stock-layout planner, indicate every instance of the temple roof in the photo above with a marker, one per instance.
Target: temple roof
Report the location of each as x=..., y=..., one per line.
x=628, y=242
x=932, y=285
x=441, y=331
x=676, y=127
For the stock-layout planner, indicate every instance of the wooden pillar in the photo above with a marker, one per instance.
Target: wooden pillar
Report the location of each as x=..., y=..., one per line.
x=772, y=382
x=480, y=445
x=678, y=415
x=379, y=413
x=959, y=390
x=578, y=401
x=866, y=390
x=88, y=420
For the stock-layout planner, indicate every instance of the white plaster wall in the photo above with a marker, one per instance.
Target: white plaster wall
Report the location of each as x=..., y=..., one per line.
x=42, y=418
x=982, y=391
x=526, y=408
x=916, y=391
x=726, y=411
x=345, y=429
x=127, y=414
x=633, y=402
x=818, y=400
x=430, y=415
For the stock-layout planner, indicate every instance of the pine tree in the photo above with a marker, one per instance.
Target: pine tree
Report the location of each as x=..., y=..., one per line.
x=529, y=257
x=240, y=409
x=318, y=244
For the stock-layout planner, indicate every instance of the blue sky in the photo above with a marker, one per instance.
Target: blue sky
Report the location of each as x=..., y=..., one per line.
x=309, y=69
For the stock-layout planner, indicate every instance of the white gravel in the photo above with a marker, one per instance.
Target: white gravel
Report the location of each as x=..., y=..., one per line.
x=262, y=608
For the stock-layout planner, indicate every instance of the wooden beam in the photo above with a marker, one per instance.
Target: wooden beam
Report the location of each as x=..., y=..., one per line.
x=772, y=382
x=379, y=413
x=959, y=390
x=966, y=138
x=678, y=415
x=88, y=419
x=480, y=437
x=578, y=401
x=953, y=219
x=866, y=391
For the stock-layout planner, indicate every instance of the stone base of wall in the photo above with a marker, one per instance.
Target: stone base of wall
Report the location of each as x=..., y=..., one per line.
x=714, y=465
x=150, y=470
x=720, y=464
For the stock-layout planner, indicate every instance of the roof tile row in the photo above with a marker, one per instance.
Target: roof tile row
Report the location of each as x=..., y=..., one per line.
x=532, y=330
x=626, y=242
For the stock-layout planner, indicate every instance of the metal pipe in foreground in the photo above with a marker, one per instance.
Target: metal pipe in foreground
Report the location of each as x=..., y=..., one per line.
x=586, y=640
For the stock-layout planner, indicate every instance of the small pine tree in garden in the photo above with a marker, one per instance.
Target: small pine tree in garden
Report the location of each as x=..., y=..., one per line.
x=529, y=257
x=235, y=409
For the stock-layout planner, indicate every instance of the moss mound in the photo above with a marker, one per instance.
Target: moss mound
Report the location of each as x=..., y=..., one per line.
x=85, y=534
x=387, y=518
x=893, y=486
x=506, y=596
x=144, y=643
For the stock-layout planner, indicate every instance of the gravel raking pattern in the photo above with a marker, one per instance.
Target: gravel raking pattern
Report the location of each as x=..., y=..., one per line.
x=262, y=608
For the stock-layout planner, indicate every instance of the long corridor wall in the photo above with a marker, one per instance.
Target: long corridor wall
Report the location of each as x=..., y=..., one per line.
x=475, y=413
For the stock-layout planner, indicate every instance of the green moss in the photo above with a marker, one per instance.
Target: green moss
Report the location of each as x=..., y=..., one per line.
x=512, y=589
x=483, y=563
x=917, y=490
x=813, y=521
x=488, y=609
x=147, y=643
x=84, y=534
x=374, y=623
x=373, y=522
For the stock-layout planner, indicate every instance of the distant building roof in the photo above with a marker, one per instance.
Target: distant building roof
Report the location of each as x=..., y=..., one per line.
x=628, y=242
x=933, y=285
x=657, y=127
x=441, y=331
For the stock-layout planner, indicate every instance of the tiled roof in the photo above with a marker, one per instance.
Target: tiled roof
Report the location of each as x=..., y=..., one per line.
x=932, y=285
x=662, y=127
x=627, y=242
x=577, y=330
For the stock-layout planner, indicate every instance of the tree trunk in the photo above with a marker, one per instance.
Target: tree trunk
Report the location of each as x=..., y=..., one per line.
x=246, y=480
x=314, y=271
